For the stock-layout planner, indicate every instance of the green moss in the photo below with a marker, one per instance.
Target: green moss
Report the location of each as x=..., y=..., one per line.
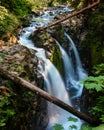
x=19, y=68
x=56, y=59
x=8, y=22
x=58, y=33
x=11, y=13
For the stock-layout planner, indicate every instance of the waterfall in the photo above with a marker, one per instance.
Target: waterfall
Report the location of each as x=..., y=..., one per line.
x=68, y=65
x=53, y=82
x=55, y=86
x=81, y=74
x=72, y=84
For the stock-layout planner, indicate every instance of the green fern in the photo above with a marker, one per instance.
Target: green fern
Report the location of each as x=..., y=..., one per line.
x=86, y=127
x=94, y=83
x=99, y=69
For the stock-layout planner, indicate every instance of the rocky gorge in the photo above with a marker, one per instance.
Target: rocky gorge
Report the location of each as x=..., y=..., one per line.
x=21, y=61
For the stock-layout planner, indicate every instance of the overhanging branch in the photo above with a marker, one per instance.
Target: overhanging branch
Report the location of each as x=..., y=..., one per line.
x=69, y=16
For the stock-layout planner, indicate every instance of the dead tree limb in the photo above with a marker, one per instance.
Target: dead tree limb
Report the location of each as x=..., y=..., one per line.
x=69, y=16
x=45, y=95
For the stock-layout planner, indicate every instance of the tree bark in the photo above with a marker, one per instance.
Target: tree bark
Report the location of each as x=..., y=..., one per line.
x=69, y=16
x=47, y=96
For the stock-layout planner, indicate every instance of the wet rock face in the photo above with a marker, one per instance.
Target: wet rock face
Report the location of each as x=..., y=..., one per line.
x=16, y=59
x=22, y=62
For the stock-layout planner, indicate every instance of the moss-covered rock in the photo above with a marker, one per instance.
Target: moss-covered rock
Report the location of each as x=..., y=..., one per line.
x=45, y=40
x=56, y=59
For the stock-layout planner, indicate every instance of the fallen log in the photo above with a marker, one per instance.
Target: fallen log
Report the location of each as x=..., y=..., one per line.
x=69, y=16
x=23, y=83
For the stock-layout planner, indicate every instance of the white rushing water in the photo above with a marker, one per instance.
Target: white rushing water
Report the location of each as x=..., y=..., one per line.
x=81, y=74
x=53, y=82
x=72, y=83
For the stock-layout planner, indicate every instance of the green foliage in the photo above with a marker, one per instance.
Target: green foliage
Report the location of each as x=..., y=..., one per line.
x=71, y=127
x=72, y=119
x=5, y=110
x=7, y=21
x=86, y=127
x=96, y=87
x=58, y=127
x=97, y=21
x=17, y=7
x=95, y=37
x=99, y=107
x=78, y=4
x=98, y=69
x=56, y=59
x=94, y=83
x=15, y=107
x=1, y=60
x=36, y=4
x=19, y=68
x=100, y=127
x=11, y=11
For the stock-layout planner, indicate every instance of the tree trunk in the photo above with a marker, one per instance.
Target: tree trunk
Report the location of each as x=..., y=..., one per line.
x=47, y=96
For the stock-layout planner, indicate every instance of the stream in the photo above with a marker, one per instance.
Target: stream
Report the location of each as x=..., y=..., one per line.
x=67, y=90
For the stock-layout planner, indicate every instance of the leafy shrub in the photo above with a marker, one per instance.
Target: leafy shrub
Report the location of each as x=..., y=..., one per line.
x=5, y=109
x=7, y=21
x=96, y=86
x=11, y=12
x=94, y=83
x=18, y=7
x=98, y=69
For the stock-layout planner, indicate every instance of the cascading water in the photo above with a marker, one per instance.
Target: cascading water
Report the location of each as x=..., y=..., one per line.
x=68, y=66
x=72, y=84
x=53, y=81
x=81, y=74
